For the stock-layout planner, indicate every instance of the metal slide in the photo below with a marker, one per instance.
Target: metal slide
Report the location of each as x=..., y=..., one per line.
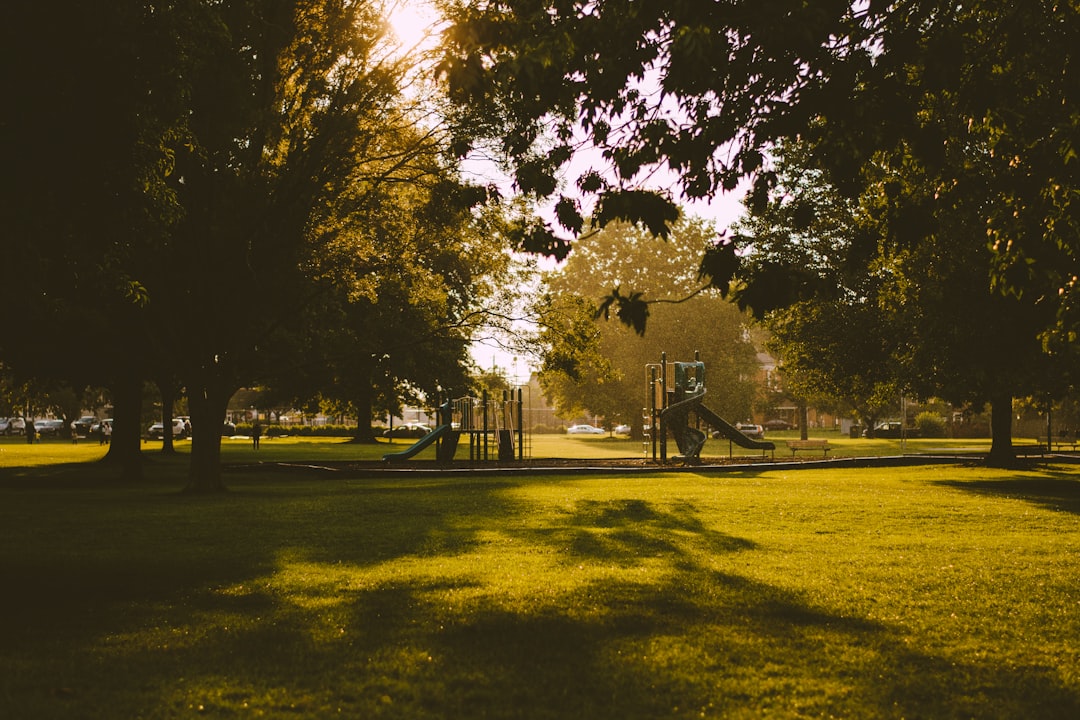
x=730, y=431
x=676, y=418
x=419, y=445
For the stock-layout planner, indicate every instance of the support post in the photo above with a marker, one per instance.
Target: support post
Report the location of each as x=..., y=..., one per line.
x=520, y=426
x=485, y=403
x=663, y=406
x=654, y=415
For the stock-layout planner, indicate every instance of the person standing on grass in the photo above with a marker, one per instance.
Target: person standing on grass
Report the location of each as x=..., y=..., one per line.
x=256, y=433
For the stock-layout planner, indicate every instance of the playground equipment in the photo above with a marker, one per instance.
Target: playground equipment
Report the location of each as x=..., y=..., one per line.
x=490, y=425
x=676, y=391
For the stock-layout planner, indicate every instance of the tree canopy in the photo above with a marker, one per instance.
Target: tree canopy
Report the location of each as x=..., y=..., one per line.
x=952, y=126
x=877, y=314
x=600, y=366
x=707, y=90
x=195, y=178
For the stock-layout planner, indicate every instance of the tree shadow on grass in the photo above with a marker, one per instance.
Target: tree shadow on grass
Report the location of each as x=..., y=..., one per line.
x=734, y=647
x=1050, y=489
x=624, y=531
x=224, y=636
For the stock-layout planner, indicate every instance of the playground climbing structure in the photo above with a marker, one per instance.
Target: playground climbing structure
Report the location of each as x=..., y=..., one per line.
x=493, y=429
x=675, y=394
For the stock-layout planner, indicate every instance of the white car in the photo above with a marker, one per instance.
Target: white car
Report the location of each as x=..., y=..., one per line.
x=82, y=425
x=585, y=430
x=157, y=430
x=15, y=425
x=622, y=429
x=50, y=427
x=751, y=430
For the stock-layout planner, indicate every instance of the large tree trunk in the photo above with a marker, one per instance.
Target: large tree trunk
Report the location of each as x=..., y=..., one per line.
x=804, y=421
x=167, y=400
x=1001, y=448
x=364, y=432
x=125, y=447
x=208, y=405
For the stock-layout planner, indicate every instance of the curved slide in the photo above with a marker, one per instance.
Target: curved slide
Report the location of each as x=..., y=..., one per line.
x=419, y=445
x=676, y=416
x=730, y=431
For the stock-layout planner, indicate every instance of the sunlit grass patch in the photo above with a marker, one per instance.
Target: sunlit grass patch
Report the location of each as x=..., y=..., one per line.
x=16, y=453
x=941, y=591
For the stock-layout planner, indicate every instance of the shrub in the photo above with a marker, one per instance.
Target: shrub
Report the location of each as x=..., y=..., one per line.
x=930, y=425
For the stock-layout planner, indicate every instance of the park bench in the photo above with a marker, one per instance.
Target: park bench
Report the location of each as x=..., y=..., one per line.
x=1058, y=443
x=796, y=445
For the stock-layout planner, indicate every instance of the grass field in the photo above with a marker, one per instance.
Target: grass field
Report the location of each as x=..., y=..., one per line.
x=924, y=592
x=14, y=451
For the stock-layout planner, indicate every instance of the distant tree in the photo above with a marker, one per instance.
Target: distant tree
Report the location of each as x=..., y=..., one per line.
x=894, y=293
x=491, y=380
x=810, y=270
x=963, y=339
x=601, y=366
x=836, y=351
x=408, y=286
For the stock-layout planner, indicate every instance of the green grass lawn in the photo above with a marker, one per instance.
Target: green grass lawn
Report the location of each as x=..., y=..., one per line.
x=14, y=451
x=922, y=592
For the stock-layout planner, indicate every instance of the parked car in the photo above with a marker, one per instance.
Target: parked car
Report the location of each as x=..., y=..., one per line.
x=622, y=429
x=5, y=423
x=48, y=428
x=585, y=430
x=778, y=424
x=228, y=429
x=407, y=430
x=14, y=426
x=891, y=429
x=157, y=430
x=751, y=430
x=82, y=425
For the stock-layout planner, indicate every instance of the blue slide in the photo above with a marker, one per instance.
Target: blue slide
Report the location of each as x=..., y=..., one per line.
x=420, y=444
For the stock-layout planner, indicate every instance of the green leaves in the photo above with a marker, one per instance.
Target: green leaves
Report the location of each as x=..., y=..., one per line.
x=719, y=265
x=566, y=210
x=773, y=286
x=652, y=210
x=632, y=310
x=539, y=239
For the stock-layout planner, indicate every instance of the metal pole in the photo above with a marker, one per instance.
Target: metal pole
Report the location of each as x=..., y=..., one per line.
x=1049, y=426
x=903, y=424
x=484, y=398
x=663, y=406
x=653, y=415
x=520, y=425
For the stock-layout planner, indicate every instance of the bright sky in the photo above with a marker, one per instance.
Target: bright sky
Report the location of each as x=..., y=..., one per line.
x=413, y=21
